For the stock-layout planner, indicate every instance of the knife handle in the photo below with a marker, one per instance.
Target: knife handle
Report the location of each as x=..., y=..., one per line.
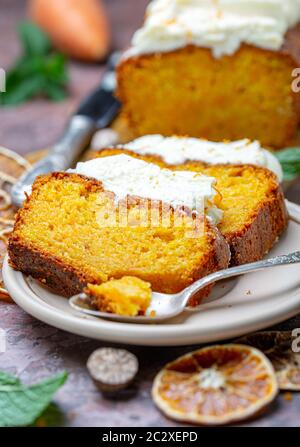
x=99, y=105
x=63, y=154
x=75, y=138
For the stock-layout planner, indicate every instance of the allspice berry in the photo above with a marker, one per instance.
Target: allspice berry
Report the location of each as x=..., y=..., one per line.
x=112, y=369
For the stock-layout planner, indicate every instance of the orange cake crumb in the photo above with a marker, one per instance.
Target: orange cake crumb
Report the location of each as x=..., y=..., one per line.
x=126, y=296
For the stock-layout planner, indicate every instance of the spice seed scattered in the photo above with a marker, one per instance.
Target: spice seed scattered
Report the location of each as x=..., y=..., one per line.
x=112, y=369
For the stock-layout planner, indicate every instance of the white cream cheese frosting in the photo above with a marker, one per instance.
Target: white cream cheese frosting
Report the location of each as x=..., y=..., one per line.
x=178, y=150
x=124, y=175
x=221, y=25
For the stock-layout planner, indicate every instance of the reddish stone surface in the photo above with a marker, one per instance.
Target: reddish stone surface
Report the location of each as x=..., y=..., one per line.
x=35, y=350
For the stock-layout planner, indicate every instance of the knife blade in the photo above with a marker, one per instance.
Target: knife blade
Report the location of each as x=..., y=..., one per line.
x=97, y=111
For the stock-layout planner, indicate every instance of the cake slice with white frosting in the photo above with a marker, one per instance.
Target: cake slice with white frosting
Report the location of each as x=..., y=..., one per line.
x=120, y=217
x=247, y=178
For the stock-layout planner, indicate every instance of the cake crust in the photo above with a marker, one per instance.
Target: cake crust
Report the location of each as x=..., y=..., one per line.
x=51, y=272
x=66, y=280
x=258, y=237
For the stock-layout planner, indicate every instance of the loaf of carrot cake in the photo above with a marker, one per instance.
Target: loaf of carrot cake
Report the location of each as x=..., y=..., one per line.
x=215, y=69
x=119, y=216
x=248, y=180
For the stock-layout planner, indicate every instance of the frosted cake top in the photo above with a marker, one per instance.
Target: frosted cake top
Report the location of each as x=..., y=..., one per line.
x=221, y=25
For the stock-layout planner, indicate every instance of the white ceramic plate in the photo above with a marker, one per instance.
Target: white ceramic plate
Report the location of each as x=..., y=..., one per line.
x=256, y=301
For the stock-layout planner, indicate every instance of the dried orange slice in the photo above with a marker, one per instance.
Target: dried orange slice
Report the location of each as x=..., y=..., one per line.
x=216, y=385
x=277, y=346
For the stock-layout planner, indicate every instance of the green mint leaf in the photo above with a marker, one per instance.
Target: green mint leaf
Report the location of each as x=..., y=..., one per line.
x=22, y=406
x=55, y=92
x=22, y=91
x=26, y=67
x=7, y=380
x=51, y=417
x=55, y=68
x=290, y=161
x=23, y=69
x=37, y=72
x=34, y=40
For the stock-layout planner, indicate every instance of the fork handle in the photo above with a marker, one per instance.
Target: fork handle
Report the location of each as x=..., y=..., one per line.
x=292, y=258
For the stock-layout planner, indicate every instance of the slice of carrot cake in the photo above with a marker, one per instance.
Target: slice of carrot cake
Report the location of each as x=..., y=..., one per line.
x=119, y=216
x=248, y=179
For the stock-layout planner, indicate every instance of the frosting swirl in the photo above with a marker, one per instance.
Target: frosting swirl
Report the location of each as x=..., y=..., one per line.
x=124, y=175
x=221, y=25
x=178, y=150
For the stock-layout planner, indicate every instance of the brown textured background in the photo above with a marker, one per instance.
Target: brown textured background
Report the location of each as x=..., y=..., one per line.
x=35, y=350
x=39, y=123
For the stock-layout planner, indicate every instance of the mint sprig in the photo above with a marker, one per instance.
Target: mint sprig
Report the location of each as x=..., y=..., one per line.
x=35, y=41
x=22, y=405
x=38, y=71
x=289, y=159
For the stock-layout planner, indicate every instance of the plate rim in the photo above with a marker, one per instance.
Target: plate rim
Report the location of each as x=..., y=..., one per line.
x=140, y=334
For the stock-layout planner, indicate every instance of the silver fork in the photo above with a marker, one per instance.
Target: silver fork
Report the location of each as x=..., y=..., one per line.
x=164, y=306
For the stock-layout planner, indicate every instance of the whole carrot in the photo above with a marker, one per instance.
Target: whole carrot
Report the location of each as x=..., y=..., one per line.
x=79, y=28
